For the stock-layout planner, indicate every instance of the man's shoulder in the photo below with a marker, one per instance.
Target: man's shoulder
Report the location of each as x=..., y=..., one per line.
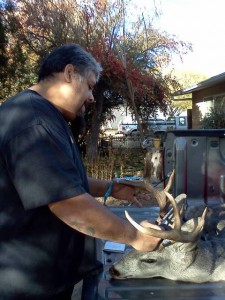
x=19, y=95
x=16, y=115
x=17, y=107
x=25, y=110
x=28, y=106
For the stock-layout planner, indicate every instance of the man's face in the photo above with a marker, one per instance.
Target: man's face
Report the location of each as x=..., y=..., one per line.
x=83, y=92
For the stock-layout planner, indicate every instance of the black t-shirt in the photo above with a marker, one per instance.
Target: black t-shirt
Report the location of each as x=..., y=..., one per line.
x=39, y=164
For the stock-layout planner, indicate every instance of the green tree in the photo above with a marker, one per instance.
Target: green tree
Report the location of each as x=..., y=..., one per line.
x=132, y=57
x=3, y=56
x=16, y=70
x=183, y=80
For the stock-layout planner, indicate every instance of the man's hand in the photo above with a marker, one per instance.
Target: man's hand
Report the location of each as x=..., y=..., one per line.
x=146, y=242
x=130, y=193
x=120, y=191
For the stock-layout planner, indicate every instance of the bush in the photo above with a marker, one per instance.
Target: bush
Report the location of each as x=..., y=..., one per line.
x=215, y=118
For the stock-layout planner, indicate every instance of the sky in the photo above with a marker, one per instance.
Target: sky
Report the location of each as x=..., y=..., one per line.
x=200, y=22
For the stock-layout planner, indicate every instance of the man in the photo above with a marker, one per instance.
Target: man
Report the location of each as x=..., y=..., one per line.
x=47, y=205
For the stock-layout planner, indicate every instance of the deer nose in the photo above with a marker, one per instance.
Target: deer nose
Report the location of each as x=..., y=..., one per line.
x=113, y=272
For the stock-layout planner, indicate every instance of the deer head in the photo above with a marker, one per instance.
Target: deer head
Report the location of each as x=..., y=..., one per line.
x=175, y=260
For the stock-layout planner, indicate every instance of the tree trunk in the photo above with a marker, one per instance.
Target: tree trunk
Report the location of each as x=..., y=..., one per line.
x=133, y=105
x=93, y=135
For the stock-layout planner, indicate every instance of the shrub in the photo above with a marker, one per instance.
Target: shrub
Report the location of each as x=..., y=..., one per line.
x=215, y=118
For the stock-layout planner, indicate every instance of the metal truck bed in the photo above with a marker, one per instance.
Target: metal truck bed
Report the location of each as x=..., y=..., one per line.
x=198, y=157
x=100, y=286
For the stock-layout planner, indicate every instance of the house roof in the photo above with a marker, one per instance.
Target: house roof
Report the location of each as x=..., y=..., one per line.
x=202, y=85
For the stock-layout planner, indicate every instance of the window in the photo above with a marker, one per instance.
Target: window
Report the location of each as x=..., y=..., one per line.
x=182, y=121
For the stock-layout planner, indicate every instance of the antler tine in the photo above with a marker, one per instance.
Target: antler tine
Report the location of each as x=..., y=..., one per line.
x=159, y=195
x=176, y=213
x=175, y=234
x=170, y=181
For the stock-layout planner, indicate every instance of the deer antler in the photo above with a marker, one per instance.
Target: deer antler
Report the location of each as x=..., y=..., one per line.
x=175, y=234
x=160, y=196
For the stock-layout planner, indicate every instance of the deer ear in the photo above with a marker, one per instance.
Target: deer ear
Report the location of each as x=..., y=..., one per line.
x=188, y=227
x=185, y=255
x=184, y=258
x=191, y=224
x=187, y=247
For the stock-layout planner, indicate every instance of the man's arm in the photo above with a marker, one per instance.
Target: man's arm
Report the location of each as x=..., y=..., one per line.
x=98, y=187
x=87, y=215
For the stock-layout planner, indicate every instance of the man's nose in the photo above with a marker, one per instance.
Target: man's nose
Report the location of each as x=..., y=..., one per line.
x=91, y=99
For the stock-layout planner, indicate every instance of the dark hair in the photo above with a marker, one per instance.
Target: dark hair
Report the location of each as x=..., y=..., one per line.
x=74, y=54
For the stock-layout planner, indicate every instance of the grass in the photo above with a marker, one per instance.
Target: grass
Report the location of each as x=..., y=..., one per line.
x=118, y=163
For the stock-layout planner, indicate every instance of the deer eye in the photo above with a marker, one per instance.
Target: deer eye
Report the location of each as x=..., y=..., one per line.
x=149, y=261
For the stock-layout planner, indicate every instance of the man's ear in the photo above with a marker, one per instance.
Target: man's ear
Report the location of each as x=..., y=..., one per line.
x=68, y=72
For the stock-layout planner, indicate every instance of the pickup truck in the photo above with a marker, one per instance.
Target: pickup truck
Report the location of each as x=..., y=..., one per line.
x=178, y=123
x=198, y=157
x=132, y=128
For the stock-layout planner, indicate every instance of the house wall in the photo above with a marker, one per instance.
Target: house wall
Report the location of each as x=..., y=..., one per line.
x=199, y=96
